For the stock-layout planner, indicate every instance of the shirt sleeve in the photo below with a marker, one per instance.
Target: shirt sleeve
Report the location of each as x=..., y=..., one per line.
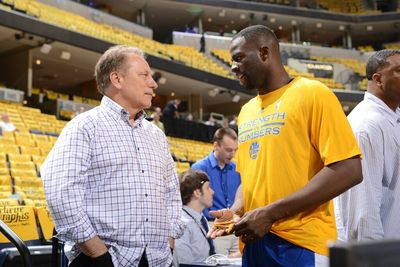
x=199, y=166
x=330, y=130
x=64, y=176
x=183, y=247
x=174, y=205
x=360, y=206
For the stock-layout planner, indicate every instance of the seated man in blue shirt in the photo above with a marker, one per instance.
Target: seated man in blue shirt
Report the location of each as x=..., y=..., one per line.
x=193, y=246
x=224, y=180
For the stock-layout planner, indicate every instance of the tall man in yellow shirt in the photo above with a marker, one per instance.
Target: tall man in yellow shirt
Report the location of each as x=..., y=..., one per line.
x=296, y=152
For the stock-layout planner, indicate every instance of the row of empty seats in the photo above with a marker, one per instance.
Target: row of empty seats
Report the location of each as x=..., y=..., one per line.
x=346, y=6
x=188, y=150
x=23, y=205
x=187, y=55
x=225, y=57
x=27, y=119
x=392, y=46
x=353, y=64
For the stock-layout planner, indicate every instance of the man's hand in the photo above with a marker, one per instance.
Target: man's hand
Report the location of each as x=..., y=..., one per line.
x=224, y=216
x=94, y=247
x=171, y=242
x=253, y=225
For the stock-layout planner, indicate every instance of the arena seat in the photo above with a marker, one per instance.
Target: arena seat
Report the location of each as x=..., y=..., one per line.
x=18, y=157
x=185, y=54
x=23, y=173
x=29, y=150
x=21, y=219
x=27, y=165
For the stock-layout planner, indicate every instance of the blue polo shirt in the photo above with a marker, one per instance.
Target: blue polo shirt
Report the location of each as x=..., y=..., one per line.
x=224, y=182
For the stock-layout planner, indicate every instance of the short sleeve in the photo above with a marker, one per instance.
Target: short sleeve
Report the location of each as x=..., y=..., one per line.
x=331, y=133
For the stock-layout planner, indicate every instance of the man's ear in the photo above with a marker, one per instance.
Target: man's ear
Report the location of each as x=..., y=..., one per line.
x=264, y=52
x=196, y=193
x=377, y=78
x=115, y=79
x=215, y=145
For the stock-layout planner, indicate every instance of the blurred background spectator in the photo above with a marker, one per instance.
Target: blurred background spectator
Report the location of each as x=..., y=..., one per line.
x=5, y=124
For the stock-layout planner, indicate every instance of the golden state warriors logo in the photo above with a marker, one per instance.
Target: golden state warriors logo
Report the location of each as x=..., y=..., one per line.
x=253, y=151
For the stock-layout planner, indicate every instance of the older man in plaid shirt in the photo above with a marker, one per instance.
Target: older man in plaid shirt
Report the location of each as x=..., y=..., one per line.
x=110, y=180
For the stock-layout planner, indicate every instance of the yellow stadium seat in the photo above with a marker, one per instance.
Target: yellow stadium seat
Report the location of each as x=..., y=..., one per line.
x=10, y=149
x=23, y=141
x=6, y=188
x=27, y=165
x=8, y=202
x=4, y=172
x=28, y=202
x=7, y=141
x=19, y=157
x=30, y=150
x=40, y=137
x=5, y=195
x=8, y=135
x=45, y=221
x=44, y=144
x=38, y=159
x=53, y=139
x=28, y=182
x=5, y=180
x=40, y=203
x=44, y=151
x=22, y=134
x=21, y=219
x=23, y=173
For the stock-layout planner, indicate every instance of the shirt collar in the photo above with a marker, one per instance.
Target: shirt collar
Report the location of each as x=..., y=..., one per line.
x=119, y=112
x=193, y=213
x=394, y=117
x=214, y=163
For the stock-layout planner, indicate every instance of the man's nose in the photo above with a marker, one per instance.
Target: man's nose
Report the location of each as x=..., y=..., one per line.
x=234, y=68
x=153, y=85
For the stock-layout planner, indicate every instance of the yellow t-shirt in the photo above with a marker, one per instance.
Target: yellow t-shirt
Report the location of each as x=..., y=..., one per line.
x=285, y=138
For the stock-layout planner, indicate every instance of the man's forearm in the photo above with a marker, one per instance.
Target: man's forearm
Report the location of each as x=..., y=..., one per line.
x=93, y=247
x=237, y=206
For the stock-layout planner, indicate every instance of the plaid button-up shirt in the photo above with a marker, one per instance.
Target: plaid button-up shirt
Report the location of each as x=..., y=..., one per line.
x=109, y=178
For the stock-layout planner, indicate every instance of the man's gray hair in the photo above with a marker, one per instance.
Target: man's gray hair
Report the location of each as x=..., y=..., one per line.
x=112, y=60
x=378, y=61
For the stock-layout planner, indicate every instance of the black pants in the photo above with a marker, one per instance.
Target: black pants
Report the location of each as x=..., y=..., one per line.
x=85, y=261
x=143, y=261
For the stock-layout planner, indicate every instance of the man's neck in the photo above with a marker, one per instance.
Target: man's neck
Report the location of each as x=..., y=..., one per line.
x=393, y=105
x=220, y=164
x=122, y=102
x=195, y=205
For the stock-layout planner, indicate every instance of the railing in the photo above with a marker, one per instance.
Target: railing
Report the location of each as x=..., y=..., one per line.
x=18, y=243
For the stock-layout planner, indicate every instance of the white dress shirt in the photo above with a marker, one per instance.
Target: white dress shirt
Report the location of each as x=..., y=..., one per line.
x=371, y=210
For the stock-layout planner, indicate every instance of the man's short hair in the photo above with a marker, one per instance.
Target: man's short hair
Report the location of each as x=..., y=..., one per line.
x=255, y=33
x=112, y=60
x=190, y=181
x=221, y=132
x=378, y=60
